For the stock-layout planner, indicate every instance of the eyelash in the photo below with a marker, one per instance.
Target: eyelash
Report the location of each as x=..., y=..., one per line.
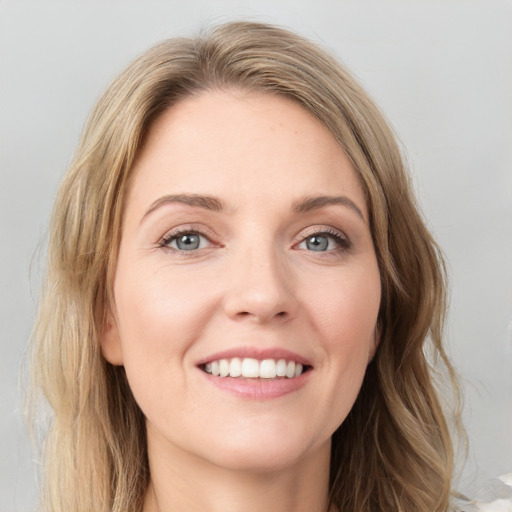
x=175, y=234
x=341, y=240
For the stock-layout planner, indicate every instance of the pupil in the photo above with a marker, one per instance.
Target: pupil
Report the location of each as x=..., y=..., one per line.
x=317, y=243
x=188, y=242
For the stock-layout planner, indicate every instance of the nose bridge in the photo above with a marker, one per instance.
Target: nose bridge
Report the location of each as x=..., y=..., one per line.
x=261, y=283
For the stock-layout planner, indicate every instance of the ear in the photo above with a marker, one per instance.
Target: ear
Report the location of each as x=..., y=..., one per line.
x=374, y=344
x=110, y=340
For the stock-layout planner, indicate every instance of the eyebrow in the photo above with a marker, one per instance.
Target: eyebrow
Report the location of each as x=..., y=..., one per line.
x=315, y=202
x=206, y=202
x=305, y=205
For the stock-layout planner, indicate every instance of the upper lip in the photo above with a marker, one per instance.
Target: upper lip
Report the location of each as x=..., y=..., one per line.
x=256, y=353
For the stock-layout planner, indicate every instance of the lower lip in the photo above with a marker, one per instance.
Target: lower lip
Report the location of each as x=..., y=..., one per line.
x=258, y=389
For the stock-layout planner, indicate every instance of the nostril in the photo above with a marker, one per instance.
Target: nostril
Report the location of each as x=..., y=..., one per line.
x=261, y=317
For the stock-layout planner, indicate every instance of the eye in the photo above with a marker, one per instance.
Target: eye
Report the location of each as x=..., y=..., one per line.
x=324, y=241
x=185, y=241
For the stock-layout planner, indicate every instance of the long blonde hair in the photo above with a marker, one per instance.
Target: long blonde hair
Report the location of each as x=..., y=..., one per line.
x=393, y=452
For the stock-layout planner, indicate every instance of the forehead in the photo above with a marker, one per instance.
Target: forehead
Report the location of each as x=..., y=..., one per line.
x=242, y=146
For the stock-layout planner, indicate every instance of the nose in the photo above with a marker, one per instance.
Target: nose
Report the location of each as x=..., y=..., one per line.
x=261, y=288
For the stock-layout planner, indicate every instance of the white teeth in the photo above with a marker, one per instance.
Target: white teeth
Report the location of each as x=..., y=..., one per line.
x=235, y=367
x=250, y=368
x=268, y=369
x=290, y=370
x=281, y=368
x=224, y=367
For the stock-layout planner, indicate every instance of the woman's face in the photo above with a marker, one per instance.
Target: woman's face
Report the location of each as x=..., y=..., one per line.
x=246, y=247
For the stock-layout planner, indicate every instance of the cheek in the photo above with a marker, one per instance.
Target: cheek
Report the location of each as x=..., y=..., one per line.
x=345, y=307
x=159, y=318
x=158, y=306
x=346, y=316
x=344, y=311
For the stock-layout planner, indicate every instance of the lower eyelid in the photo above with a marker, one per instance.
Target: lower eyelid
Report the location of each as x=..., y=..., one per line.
x=339, y=237
x=202, y=238
x=185, y=229
x=166, y=240
x=341, y=245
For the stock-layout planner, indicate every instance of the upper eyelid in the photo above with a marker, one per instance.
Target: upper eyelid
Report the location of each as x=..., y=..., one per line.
x=210, y=235
x=317, y=230
x=174, y=233
x=342, y=239
x=189, y=228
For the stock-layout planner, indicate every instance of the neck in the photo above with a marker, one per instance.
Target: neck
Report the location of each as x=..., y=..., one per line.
x=180, y=481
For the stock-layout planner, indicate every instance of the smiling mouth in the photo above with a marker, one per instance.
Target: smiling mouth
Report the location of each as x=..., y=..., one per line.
x=250, y=368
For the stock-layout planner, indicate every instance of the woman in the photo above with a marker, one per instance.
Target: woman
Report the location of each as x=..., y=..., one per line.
x=240, y=294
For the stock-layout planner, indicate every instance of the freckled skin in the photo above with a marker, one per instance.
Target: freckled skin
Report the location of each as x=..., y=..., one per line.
x=254, y=283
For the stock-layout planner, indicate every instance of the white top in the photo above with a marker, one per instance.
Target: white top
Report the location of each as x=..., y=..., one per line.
x=495, y=496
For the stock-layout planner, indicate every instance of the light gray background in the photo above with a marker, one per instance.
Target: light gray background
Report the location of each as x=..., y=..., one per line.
x=440, y=70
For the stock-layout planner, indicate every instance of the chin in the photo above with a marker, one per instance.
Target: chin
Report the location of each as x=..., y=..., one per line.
x=267, y=454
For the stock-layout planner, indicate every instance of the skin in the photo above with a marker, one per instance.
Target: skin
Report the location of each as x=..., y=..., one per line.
x=253, y=282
